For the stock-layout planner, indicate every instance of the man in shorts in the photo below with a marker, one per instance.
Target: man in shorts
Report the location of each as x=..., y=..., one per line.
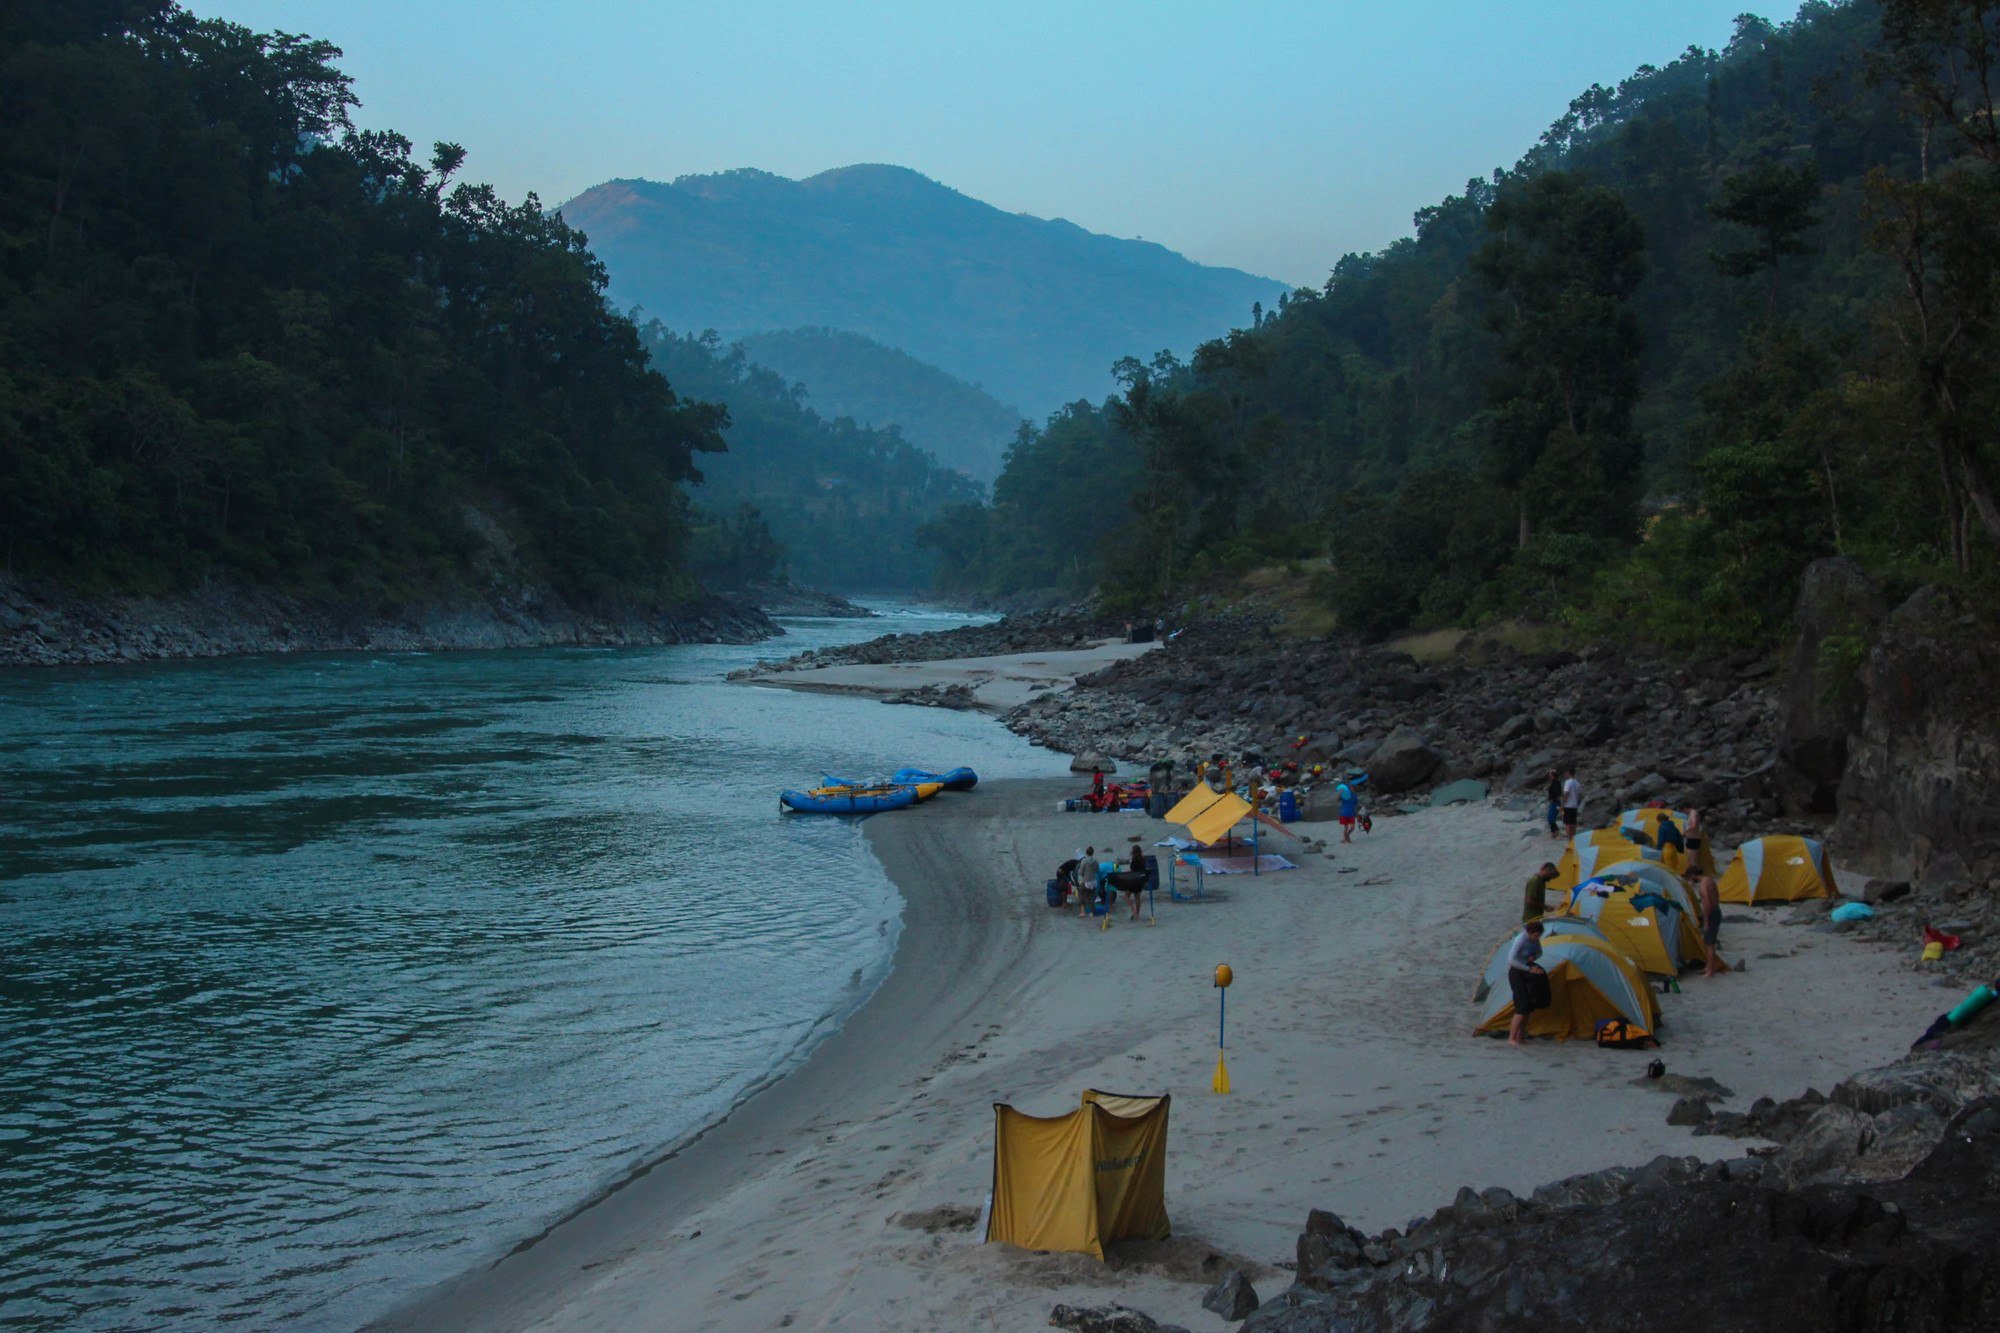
x=1711, y=922
x=1350, y=808
x=1526, y=980
x=1572, y=801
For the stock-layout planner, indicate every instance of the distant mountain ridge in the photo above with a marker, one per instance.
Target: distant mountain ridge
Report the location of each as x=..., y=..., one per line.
x=1032, y=310
x=848, y=375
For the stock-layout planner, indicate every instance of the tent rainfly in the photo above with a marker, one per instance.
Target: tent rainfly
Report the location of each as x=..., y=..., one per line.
x=1079, y=1181
x=1587, y=852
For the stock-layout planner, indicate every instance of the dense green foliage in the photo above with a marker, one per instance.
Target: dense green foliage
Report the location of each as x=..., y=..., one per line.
x=847, y=375
x=845, y=501
x=1737, y=313
x=1031, y=310
x=240, y=338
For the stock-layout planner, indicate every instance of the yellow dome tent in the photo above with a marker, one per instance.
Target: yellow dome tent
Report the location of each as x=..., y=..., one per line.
x=1780, y=869
x=1079, y=1181
x=1647, y=819
x=1588, y=981
x=1670, y=886
x=1650, y=936
x=1587, y=853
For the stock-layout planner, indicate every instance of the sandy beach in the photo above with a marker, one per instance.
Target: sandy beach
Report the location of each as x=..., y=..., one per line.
x=842, y=1196
x=996, y=683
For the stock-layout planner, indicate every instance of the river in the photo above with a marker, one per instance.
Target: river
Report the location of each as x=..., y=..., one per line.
x=323, y=978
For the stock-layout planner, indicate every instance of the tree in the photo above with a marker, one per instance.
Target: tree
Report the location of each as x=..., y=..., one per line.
x=1563, y=263
x=1775, y=202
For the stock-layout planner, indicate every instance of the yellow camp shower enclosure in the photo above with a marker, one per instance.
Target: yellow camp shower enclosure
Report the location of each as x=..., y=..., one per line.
x=1082, y=1180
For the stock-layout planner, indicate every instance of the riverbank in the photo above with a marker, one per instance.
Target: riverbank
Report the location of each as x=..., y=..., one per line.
x=995, y=684
x=843, y=1196
x=45, y=626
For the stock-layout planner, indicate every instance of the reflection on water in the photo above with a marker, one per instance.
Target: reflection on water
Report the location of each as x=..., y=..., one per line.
x=325, y=978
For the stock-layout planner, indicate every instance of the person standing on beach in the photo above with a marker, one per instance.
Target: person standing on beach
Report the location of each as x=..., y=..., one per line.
x=1555, y=795
x=1526, y=980
x=1535, y=894
x=1137, y=879
x=1350, y=807
x=1711, y=922
x=1086, y=880
x=1572, y=802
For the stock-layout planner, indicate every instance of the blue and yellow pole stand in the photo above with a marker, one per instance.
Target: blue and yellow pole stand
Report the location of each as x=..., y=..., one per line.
x=1223, y=976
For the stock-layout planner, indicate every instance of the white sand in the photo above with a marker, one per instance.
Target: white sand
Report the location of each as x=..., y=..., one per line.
x=1358, y=1086
x=998, y=683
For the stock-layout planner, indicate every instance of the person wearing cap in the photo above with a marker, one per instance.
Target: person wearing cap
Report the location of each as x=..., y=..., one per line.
x=1526, y=979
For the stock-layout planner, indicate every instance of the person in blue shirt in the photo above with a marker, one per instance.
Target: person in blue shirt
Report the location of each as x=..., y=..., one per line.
x=1350, y=805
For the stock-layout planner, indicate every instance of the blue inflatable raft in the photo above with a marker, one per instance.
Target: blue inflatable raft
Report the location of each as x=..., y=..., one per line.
x=849, y=800
x=958, y=779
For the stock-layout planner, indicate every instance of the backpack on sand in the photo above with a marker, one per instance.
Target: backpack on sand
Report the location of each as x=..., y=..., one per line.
x=1619, y=1035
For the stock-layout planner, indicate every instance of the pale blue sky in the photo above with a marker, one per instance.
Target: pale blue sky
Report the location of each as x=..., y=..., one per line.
x=1269, y=136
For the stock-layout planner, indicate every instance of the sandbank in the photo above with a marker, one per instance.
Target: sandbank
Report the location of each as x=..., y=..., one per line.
x=841, y=1196
x=998, y=683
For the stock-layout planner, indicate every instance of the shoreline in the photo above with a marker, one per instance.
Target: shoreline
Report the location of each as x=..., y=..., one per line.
x=46, y=627
x=937, y=948
x=842, y=1194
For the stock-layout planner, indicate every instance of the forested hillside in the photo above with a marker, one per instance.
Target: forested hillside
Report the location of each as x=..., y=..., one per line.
x=1736, y=313
x=1031, y=310
x=844, y=501
x=240, y=338
x=847, y=375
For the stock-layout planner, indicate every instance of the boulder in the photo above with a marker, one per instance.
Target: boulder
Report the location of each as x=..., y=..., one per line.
x=1090, y=761
x=1827, y=1146
x=1454, y=793
x=1514, y=728
x=1233, y=1298
x=1689, y=1111
x=1402, y=761
x=1108, y=1319
x=1821, y=696
x=1920, y=796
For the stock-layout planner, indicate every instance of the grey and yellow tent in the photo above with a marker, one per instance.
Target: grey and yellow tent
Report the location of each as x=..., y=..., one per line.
x=1652, y=936
x=1587, y=853
x=1082, y=1180
x=1553, y=927
x=1781, y=869
x=1647, y=819
x=1588, y=981
x=1672, y=887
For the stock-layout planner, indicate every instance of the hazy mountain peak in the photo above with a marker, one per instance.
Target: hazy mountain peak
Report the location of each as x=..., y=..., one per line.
x=1032, y=309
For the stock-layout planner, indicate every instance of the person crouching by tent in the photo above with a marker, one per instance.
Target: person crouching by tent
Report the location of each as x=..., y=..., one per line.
x=1527, y=980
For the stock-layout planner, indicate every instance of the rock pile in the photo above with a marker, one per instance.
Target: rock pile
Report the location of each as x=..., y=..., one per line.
x=1725, y=1245
x=1635, y=726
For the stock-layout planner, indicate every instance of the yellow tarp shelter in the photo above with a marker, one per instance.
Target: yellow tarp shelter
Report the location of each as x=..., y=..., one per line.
x=1079, y=1181
x=1208, y=814
x=1780, y=869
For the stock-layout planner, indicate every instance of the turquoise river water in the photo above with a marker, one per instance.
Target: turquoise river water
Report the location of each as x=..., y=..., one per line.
x=325, y=978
